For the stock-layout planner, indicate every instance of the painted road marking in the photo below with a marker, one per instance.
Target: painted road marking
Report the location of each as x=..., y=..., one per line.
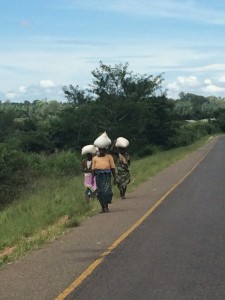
x=97, y=262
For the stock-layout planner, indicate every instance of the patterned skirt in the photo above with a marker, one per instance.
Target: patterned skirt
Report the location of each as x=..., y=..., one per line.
x=104, y=186
x=123, y=177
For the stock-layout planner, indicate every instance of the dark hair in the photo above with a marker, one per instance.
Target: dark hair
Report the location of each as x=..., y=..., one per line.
x=89, y=155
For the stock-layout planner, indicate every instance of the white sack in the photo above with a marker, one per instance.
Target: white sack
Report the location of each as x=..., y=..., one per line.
x=102, y=141
x=121, y=142
x=88, y=149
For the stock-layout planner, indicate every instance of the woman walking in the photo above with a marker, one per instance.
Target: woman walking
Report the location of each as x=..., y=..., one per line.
x=123, y=173
x=122, y=165
x=103, y=168
x=86, y=167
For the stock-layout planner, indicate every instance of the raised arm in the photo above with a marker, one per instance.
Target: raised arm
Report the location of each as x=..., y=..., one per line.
x=113, y=150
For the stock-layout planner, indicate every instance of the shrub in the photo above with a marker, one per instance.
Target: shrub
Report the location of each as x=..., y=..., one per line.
x=147, y=150
x=13, y=166
x=65, y=163
x=187, y=134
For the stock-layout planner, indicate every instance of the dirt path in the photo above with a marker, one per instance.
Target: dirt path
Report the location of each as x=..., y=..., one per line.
x=45, y=273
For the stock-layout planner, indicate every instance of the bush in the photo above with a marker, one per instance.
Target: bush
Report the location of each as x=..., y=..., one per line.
x=18, y=168
x=13, y=166
x=65, y=163
x=146, y=150
x=189, y=133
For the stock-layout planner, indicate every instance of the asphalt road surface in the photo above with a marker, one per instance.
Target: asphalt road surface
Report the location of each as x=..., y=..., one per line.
x=178, y=252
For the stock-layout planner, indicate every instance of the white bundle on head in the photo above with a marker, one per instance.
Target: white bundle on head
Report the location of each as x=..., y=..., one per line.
x=103, y=141
x=121, y=142
x=88, y=149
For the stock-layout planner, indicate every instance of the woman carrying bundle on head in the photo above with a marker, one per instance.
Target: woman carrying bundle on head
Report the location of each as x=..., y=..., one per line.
x=86, y=168
x=103, y=168
x=119, y=148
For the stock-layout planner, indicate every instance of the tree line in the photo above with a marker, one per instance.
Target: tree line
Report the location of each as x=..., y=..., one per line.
x=42, y=138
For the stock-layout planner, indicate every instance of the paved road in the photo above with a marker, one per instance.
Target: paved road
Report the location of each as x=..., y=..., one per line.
x=178, y=252
x=45, y=273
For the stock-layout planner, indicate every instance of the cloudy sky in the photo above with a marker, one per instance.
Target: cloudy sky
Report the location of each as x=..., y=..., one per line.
x=46, y=44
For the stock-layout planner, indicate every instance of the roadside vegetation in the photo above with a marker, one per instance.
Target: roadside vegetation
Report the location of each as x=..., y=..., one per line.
x=41, y=186
x=54, y=205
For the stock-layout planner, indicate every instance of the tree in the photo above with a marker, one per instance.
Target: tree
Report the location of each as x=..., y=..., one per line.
x=123, y=103
x=6, y=123
x=191, y=106
x=118, y=81
x=76, y=96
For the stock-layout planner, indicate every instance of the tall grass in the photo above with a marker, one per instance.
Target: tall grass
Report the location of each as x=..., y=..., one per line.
x=56, y=198
x=28, y=223
x=147, y=167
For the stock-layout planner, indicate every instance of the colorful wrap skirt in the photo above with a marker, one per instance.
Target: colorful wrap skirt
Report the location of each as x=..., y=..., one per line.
x=104, y=186
x=88, y=183
x=90, y=188
x=123, y=176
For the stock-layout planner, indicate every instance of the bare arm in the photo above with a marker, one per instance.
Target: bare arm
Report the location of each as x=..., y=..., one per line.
x=113, y=148
x=93, y=176
x=82, y=166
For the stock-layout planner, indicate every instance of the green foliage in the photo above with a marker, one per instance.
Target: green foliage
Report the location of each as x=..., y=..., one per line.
x=119, y=81
x=65, y=163
x=6, y=123
x=188, y=133
x=220, y=120
x=48, y=135
x=13, y=166
x=147, y=150
x=18, y=169
x=196, y=107
x=123, y=104
x=51, y=200
x=54, y=204
x=76, y=96
x=35, y=141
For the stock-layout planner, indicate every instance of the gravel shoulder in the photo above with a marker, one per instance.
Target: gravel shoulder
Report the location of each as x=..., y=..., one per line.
x=45, y=273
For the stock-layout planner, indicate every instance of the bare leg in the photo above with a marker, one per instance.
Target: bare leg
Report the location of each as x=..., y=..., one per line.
x=124, y=192
x=103, y=208
x=106, y=208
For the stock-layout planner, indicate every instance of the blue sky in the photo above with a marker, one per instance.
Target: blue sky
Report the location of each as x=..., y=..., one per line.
x=46, y=44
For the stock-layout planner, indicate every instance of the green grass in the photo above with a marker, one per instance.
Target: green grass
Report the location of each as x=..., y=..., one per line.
x=147, y=167
x=57, y=204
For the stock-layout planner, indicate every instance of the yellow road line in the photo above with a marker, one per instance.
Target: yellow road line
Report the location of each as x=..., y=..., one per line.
x=97, y=262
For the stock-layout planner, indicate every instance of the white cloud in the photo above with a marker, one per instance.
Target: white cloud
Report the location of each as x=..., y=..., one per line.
x=34, y=92
x=173, y=87
x=74, y=65
x=211, y=67
x=192, y=84
x=213, y=89
x=189, y=81
x=222, y=79
x=46, y=83
x=182, y=84
x=22, y=89
x=208, y=81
